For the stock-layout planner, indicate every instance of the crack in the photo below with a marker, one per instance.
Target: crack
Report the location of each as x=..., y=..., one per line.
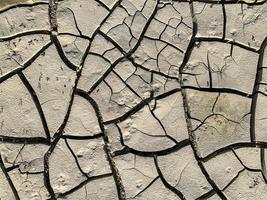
x=234, y=179
x=36, y=102
x=233, y=146
x=25, y=64
x=75, y=21
x=115, y=172
x=92, y=178
x=256, y=91
x=219, y=90
x=22, y=5
x=23, y=140
x=55, y=139
x=139, y=106
x=174, y=148
x=209, y=70
x=263, y=164
x=2, y=166
x=242, y=163
x=75, y=158
x=164, y=181
x=206, y=195
x=227, y=41
x=21, y=34
x=224, y=19
x=53, y=16
x=255, y=3
x=77, y=137
x=102, y=4
x=128, y=55
x=151, y=183
x=186, y=107
x=62, y=55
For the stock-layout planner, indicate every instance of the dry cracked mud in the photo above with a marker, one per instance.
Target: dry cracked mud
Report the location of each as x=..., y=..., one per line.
x=133, y=99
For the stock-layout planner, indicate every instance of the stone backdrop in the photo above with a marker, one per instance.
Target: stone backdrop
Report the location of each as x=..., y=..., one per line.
x=133, y=99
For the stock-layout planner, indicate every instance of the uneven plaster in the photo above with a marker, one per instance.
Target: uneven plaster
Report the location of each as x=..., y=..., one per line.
x=133, y=99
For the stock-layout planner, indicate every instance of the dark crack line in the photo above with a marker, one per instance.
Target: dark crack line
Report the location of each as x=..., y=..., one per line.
x=139, y=106
x=219, y=90
x=75, y=22
x=255, y=3
x=59, y=132
x=52, y=14
x=25, y=64
x=56, y=137
x=75, y=35
x=203, y=122
x=242, y=163
x=8, y=169
x=186, y=106
x=62, y=55
x=97, y=31
x=92, y=178
x=23, y=140
x=22, y=5
x=163, y=41
x=126, y=55
x=206, y=174
x=107, y=72
x=206, y=195
x=174, y=148
x=224, y=19
x=2, y=166
x=164, y=181
x=102, y=4
x=227, y=41
x=36, y=102
x=162, y=126
x=145, y=188
x=115, y=172
x=248, y=168
x=78, y=137
x=233, y=146
x=26, y=33
x=263, y=164
x=75, y=158
x=149, y=70
x=256, y=88
x=234, y=179
x=209, y=70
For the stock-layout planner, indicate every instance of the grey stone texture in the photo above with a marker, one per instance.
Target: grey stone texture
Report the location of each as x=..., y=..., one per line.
x=133, y=100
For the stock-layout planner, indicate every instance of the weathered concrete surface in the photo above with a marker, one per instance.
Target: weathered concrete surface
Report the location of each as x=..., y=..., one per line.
x=133, y=99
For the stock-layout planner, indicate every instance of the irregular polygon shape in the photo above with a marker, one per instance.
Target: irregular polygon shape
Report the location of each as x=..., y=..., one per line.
x=82, y=120
x=91, y=156
x=180, y=169
x=212, y=64
x=63, y=171
x=223, y=168
x=88, y=14
x=17, y=105
x=30, y=18
x=53, y=83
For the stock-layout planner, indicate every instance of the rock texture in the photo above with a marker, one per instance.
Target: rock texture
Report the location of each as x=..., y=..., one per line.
x=133, y=99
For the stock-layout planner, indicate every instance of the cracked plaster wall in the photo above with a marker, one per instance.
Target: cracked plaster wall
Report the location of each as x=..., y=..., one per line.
x=133, y=99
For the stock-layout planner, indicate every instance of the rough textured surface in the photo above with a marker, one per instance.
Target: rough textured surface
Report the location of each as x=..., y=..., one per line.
x=133, y=99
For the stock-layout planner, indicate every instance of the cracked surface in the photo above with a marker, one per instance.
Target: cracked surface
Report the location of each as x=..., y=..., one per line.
x=133, y=99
